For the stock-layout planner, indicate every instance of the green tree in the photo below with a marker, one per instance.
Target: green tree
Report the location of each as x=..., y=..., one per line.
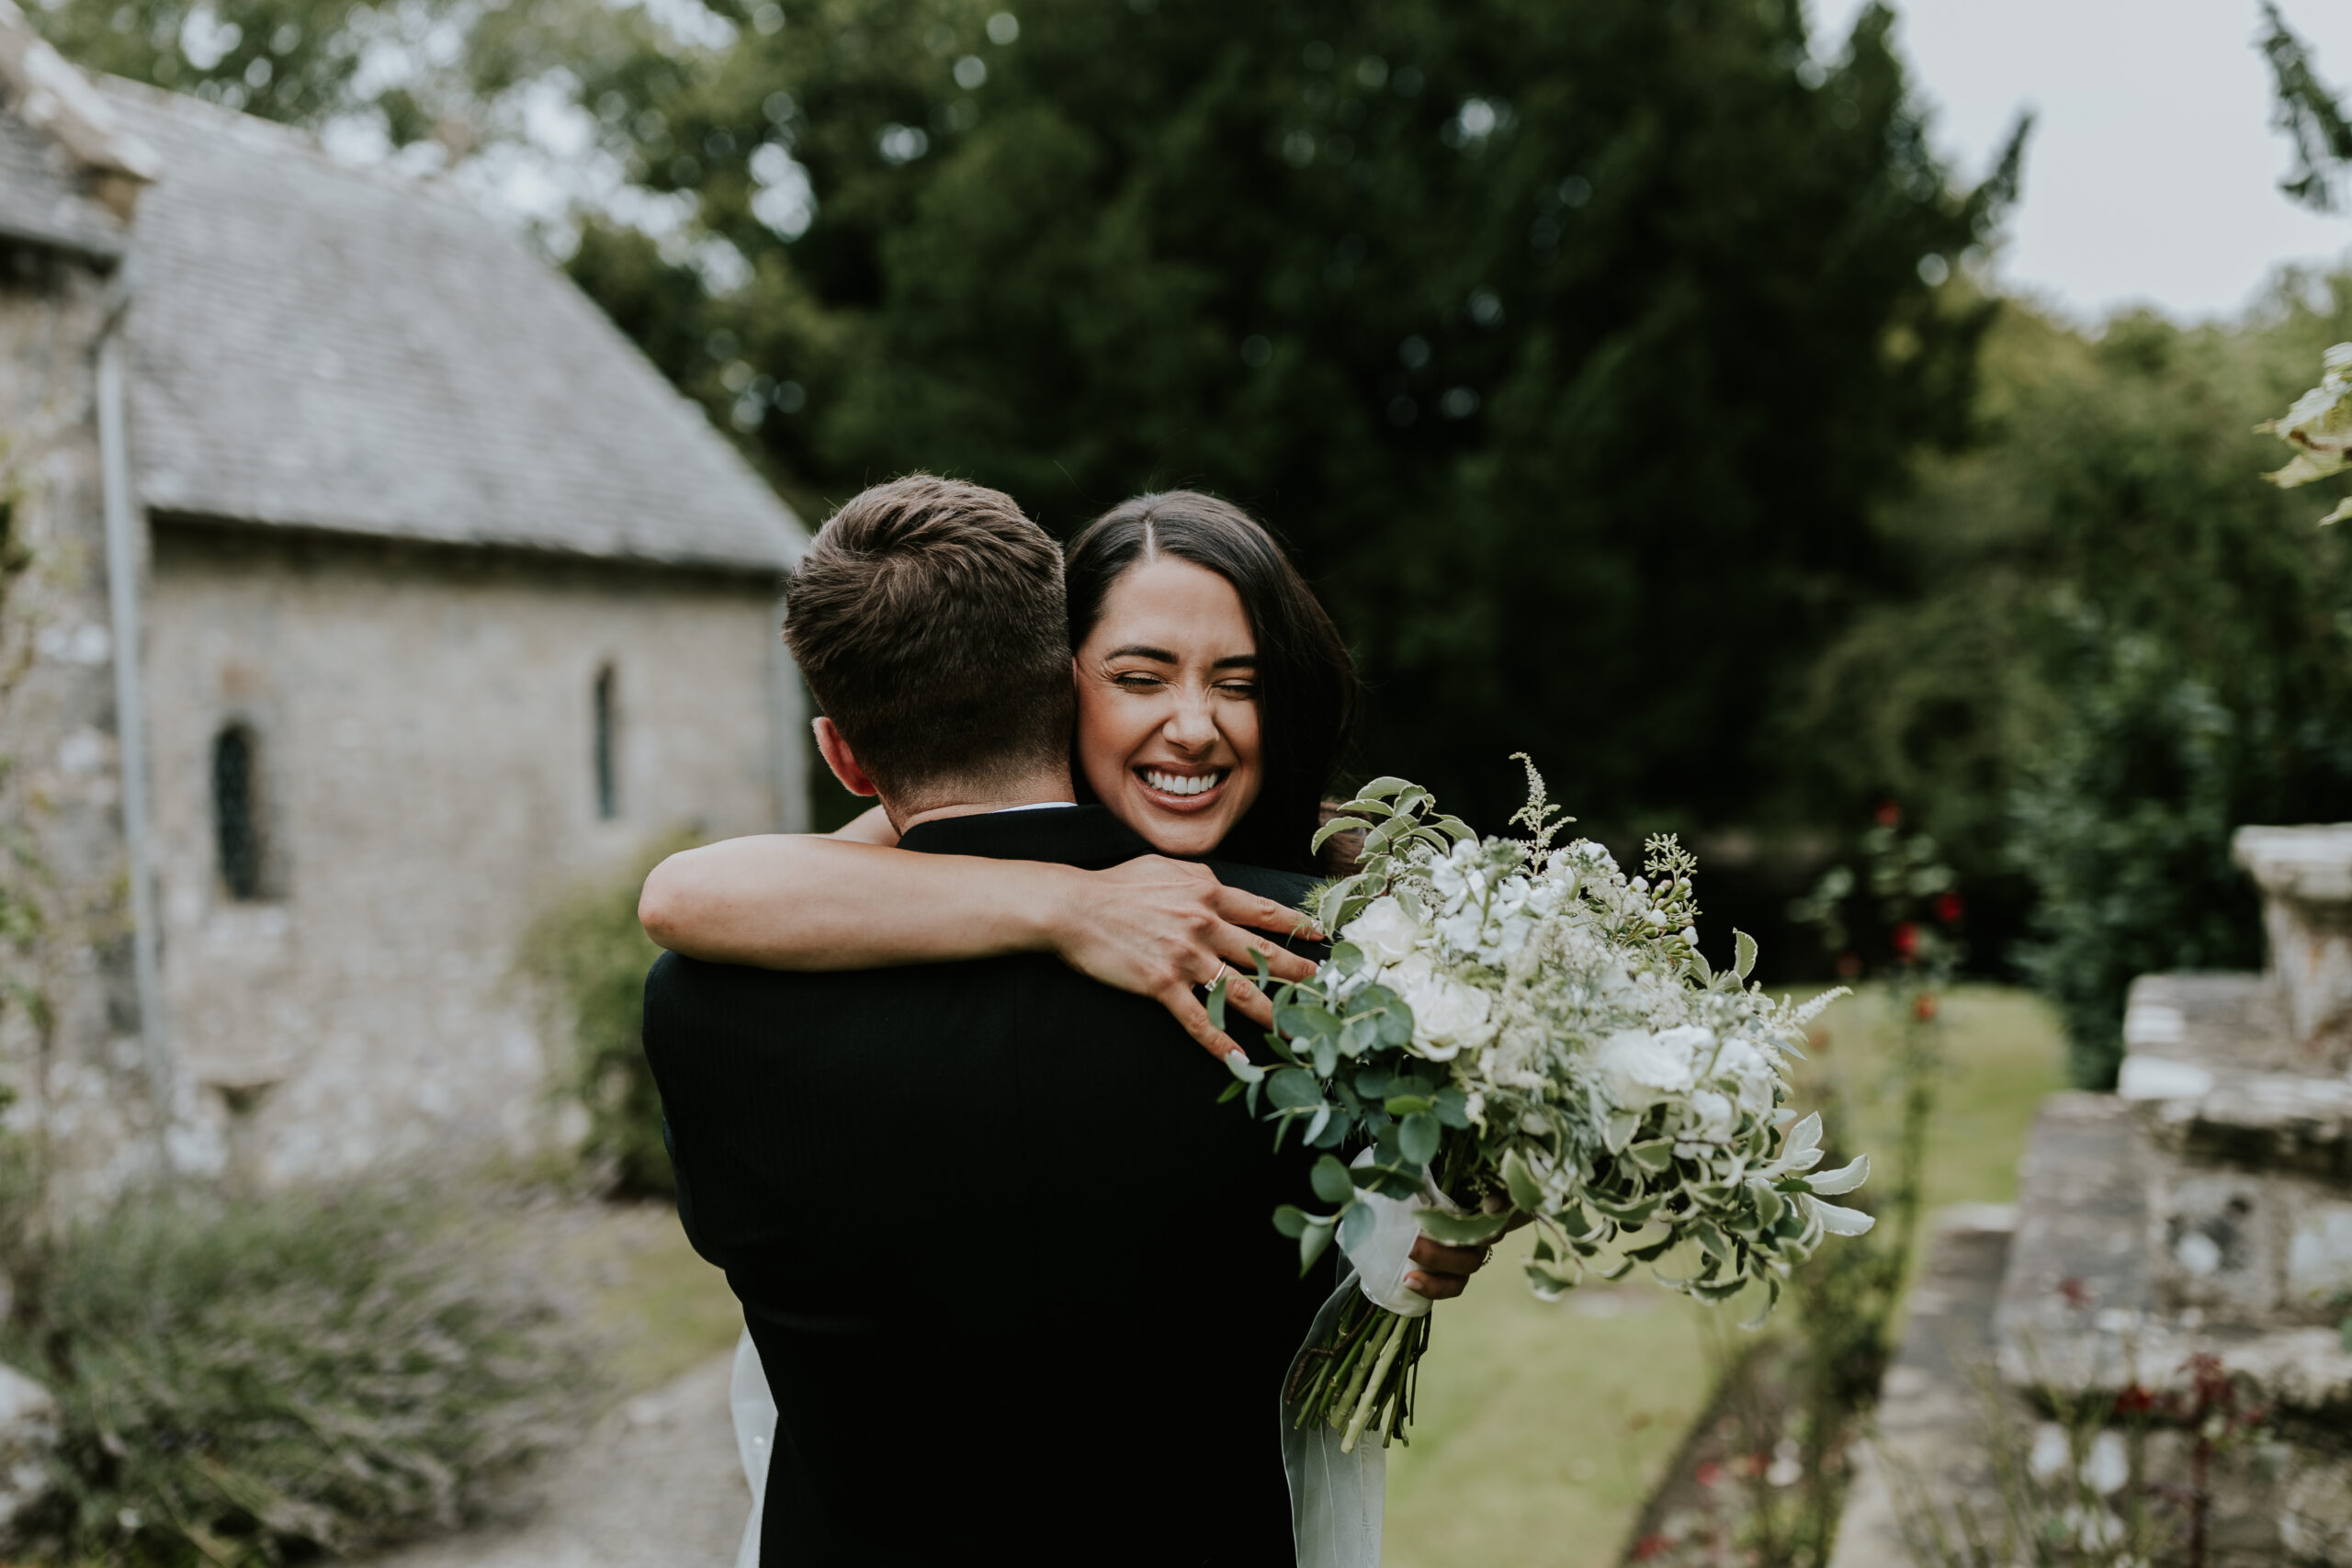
x=2122, y=645
x=1570, y=346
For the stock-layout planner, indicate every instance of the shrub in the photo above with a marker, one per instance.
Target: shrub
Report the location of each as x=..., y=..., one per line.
x=591, y=955
x=2122, y=645
x=250, y=1383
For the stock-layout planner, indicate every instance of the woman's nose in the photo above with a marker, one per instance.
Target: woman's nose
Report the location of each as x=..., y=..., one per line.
x=1192, y=725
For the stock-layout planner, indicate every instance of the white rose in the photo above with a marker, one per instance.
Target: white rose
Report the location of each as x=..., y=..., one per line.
x=1384, y=931
x=1745, y=1066
x=1637, y=1067
x=1712, y=1115
x=1447, y=1014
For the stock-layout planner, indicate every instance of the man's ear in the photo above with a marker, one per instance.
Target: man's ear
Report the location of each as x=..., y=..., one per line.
x=834, y=748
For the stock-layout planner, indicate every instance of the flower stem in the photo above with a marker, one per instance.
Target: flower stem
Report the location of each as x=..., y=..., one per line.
x=1391, y=1340
x=1362, y=1357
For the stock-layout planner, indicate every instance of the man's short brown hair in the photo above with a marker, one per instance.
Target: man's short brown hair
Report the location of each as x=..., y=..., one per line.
x=927, y=617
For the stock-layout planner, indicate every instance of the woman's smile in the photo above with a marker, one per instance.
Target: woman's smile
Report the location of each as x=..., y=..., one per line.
x=1183, y=789
x=1167, y=719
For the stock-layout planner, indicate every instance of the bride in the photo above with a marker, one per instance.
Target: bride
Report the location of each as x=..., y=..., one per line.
x=1214, y=696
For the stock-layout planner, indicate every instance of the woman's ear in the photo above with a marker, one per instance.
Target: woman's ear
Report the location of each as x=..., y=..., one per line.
x=834, y=748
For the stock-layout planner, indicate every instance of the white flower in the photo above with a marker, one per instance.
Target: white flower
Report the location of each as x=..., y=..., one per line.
x=1384, y=931
x=1447, y=1014
x=1712, y=1115
x=1637, y=1067
x=2049, y=1456
x=1744, y=1066
x=2108, y=1466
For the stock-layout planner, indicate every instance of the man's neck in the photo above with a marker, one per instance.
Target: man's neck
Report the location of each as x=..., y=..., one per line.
x=1042, y=789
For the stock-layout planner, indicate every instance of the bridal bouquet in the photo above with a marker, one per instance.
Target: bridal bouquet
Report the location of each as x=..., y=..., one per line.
x=1511, y=1033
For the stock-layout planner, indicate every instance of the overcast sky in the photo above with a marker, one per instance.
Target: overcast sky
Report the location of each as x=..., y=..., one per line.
x=2151, y=176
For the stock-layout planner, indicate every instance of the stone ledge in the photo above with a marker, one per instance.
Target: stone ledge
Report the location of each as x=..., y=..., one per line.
x=2095, y=1299
x=2210, y=1059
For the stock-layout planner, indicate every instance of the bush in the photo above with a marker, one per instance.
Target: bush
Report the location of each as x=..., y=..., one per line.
x=2123, y=647
x=591, y=955
x=251, y=1383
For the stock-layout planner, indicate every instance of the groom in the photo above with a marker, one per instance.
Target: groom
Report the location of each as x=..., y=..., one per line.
x=1006, y=1259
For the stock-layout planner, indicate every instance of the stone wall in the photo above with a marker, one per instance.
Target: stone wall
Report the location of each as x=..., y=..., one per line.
x=74, y=1062
x=423, y=728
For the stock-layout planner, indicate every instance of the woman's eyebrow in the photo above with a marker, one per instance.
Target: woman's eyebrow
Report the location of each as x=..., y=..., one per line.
x=1138, y=650
x=1236, y=662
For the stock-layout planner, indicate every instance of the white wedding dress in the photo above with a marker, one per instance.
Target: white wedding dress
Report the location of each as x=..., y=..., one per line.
x=1337, y=1499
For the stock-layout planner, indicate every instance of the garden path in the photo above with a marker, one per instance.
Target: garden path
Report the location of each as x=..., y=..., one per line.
x=654, y=1484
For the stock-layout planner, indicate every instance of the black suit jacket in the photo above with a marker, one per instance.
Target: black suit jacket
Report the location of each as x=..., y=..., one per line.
x=949, y=1196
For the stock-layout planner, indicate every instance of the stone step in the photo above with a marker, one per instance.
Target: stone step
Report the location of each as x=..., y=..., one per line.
x=2211, y=1059
x=2128, y=1260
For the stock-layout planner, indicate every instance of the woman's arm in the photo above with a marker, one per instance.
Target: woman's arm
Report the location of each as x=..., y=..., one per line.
x=1154, y=926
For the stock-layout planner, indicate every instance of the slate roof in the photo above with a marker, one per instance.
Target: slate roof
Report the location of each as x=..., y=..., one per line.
x=42, y=199
x=321, y=347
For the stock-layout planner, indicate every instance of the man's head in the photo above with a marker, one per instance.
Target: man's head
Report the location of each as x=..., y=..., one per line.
x=927, y=617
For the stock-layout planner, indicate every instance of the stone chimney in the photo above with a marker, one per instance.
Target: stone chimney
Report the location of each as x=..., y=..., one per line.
x=2305, y=874
x=52, y=97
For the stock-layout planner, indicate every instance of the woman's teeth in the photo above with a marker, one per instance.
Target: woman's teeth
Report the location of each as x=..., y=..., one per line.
x=1182, y=783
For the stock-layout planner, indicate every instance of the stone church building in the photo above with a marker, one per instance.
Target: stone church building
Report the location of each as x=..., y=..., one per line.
x=362, y=590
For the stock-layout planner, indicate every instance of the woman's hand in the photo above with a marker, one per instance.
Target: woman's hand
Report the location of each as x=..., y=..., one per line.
x=1442, y=1273
x=1160, y=928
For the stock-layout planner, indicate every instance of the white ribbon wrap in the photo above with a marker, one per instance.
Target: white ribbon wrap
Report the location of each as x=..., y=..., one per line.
x=754, y=1408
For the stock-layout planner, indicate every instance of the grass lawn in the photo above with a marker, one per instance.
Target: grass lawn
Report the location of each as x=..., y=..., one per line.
x=1543, y=1428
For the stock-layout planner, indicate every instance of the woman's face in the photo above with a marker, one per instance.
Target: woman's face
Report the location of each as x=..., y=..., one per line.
x=1168, y=729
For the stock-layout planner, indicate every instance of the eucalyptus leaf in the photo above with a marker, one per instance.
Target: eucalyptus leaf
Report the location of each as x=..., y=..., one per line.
x=1405, y=1104
x=1461, y=1230
x=1291, y=1219
x=1330, y=1181
x=1453, y=1106
x=1356, y=1226
x=1525, y=1192
x=1312, y=1244
x=1215, y=1005
x=1419, y=1136
x=1744, y=953
x=1294, y=1088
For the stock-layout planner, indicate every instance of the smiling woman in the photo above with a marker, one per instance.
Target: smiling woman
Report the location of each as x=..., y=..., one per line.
x=1213, y=692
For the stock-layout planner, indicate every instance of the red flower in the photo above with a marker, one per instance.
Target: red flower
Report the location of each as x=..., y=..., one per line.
x=1906, y=940
x=1948, y=908
x=1708, y=1473
x=1923, y=1008
x=1649, y=1546
x=1889, y=814
x=2135, y=1401
x=2077, y=1294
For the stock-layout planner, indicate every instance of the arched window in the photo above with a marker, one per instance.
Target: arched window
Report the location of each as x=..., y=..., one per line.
x=237, y=833
x=608, y=784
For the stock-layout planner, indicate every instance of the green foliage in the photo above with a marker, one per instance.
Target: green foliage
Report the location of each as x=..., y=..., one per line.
x=437, y=75
x=248, y=1383
x=2308, y=111
x=590, y=955
x=1493, y=307
x=2121, y=647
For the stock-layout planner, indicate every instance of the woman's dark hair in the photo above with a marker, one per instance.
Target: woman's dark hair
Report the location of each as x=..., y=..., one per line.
x=1306, y=681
